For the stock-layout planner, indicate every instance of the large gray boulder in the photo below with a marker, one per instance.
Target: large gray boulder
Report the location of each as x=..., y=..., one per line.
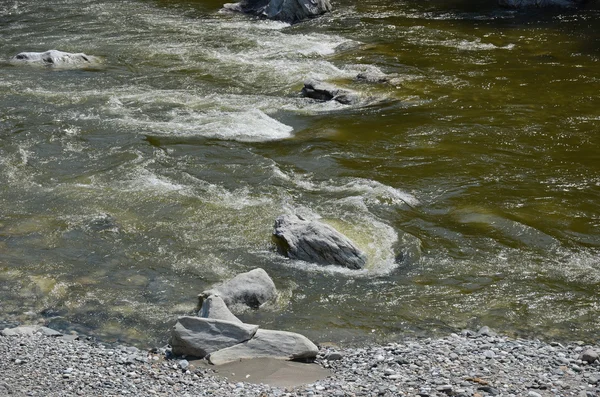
x=198, y=337
x=266, y=343
x=214, y=307
x=250, y=289
x=322, y=91
x=290, y=11
x=54, y=58
x=539, y=3
x=316, y=242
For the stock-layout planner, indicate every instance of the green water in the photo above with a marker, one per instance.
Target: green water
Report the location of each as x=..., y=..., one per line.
x=473, y=182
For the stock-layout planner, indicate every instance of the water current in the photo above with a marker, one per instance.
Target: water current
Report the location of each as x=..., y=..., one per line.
x=472, y=182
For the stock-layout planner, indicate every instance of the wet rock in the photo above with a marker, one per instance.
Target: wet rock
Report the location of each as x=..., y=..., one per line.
x=539, y=3
x=198, y=337
x=271, y=344
x=251, y=289
x=53, y=58
x=214, y=307
x=290, y=11
x=322, y=91
x=316, y=242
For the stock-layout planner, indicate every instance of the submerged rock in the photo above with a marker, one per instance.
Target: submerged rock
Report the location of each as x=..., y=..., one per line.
x=271, y=344
x=198, y=337
x=251, y=289
x=316, y=242
x=373, y=77
x=328, y=92
x=54, y=58
x=539, y=3
x=290, y=11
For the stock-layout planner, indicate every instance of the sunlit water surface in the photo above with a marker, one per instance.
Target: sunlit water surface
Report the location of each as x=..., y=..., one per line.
x=472, y=181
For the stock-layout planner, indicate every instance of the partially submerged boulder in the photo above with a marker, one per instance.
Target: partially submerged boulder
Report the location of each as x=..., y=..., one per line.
x=316, y=242
x=266, y=343
x=539, y=3
x=290, y=11
x=214, y=307
x=322, y=91
x=198, y=337
x=54, y=58
x=251, y=289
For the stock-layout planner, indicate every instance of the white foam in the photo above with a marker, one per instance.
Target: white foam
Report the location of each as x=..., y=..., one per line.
x=144, y=179
x=246, y=126
x=365, y=189
x=475, y=45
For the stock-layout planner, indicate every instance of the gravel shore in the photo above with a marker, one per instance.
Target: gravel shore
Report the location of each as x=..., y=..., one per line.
x=474, y=364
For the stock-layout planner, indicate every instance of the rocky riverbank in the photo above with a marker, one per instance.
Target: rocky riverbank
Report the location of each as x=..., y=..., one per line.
x=470, y=364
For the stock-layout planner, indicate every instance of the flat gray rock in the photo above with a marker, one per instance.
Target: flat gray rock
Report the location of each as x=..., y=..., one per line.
x=251, y=289
x=49, y=332
x=290, y=11
x=198, y=337
x=316, y=242
x=54, y=58
x=268, y=344
x=214, y=307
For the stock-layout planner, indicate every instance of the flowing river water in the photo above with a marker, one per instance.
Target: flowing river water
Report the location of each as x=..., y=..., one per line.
x=473, y=183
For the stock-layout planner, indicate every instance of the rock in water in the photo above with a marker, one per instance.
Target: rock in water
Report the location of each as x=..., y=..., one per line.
x=198, y=337
x=327, y=92
x=267, y=343
x=316, y=242
x=54, y=58
x=290, y=11
x=539, y=3
x=252, y=289
x=214, y=307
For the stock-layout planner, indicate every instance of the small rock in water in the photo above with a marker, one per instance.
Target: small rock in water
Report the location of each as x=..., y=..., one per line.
x=316, y=242
x=322, y=91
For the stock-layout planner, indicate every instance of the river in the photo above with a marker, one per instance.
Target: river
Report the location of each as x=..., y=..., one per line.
x=473, y=182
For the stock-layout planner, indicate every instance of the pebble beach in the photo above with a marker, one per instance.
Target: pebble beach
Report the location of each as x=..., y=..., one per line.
x=470, y=364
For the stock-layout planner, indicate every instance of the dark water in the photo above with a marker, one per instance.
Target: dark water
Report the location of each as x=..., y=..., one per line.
x=131, y=186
